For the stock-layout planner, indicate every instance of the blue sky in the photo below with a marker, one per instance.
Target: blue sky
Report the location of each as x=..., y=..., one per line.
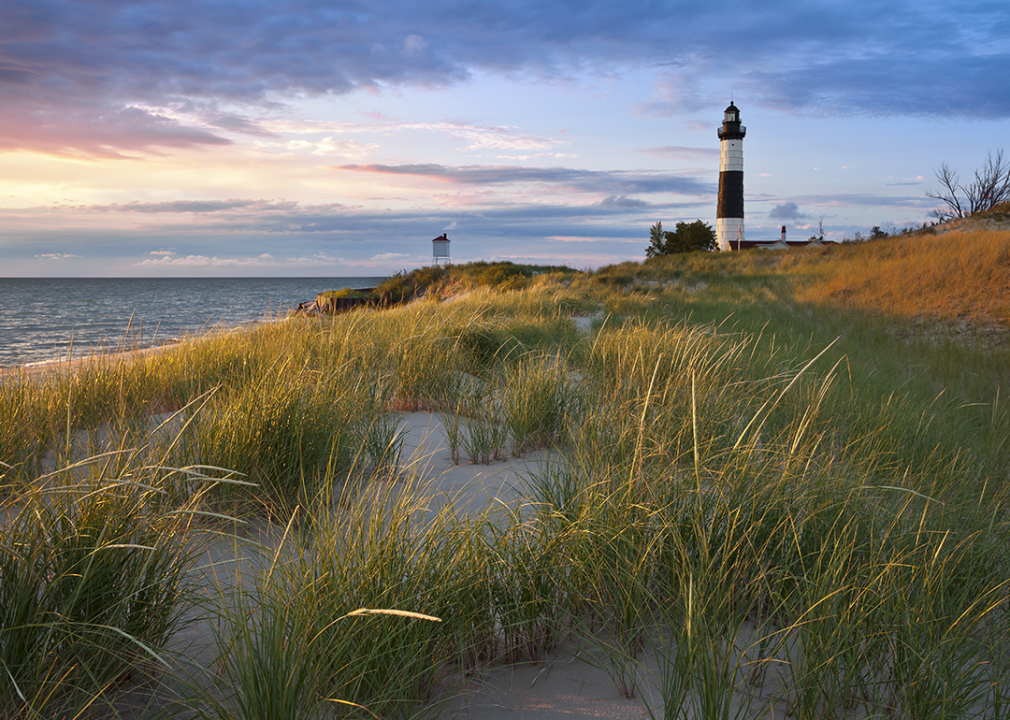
x=338, y=138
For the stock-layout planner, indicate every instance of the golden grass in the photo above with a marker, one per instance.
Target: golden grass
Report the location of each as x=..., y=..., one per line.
x=960, y=275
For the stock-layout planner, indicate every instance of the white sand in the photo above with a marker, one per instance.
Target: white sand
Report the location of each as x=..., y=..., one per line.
x=563, y=687
x=469, y=487
x=566, y=686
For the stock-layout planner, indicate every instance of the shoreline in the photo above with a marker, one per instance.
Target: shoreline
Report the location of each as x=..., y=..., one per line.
x=46, y=367
x=41, y=367
x=45, y=320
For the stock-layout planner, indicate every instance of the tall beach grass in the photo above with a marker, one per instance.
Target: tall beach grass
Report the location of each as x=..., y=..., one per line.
x=733, y=520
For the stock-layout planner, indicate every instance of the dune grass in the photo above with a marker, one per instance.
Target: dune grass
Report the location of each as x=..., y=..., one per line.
x=954, y=276
x=917, y=363
x=92, y=585
x=777, y=514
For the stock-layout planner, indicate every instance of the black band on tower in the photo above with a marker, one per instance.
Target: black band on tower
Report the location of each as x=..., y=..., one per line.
x=730, y=194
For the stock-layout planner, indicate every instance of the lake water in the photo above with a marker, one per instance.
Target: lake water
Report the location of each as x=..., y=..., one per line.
x=41, y=319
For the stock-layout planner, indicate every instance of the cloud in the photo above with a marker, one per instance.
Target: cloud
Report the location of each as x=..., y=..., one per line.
x=316, y=260
x=786, y=211
x=621, y=201
x=277, y=237
x=676, y=152
x=947, y=82
x=483, y=137
x=56, y=256
x=76, y=128
x=349, y=149
x=581, y=239
x=202, y=261
x=243, y=208
x=475, y=137
x=174, y=206
x=414, y=45
x=113, y=78
x=868, y=199
x=611, y=182
x=237, y=124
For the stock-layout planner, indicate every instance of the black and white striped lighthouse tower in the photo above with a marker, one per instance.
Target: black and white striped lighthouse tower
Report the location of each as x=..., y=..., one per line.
x=729, y=214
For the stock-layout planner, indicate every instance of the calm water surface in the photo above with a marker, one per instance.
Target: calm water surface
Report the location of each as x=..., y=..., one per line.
x=41, y=318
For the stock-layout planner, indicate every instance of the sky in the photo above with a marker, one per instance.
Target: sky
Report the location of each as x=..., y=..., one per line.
x=330, y=138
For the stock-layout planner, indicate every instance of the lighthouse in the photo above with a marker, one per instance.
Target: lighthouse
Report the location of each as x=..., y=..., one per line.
x=729, y=214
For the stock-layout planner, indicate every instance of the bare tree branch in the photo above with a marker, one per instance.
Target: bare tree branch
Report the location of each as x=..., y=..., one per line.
x=992, y=184
x=951, y=207
x=990, y=187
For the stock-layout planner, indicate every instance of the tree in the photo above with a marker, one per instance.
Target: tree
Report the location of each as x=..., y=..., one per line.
x=687, y=237
x=990, y=187
x=657, y=241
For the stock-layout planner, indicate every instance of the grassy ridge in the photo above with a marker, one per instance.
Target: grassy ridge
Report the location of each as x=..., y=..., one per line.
x=750, y=485
x=954, y=276
x=948, y=370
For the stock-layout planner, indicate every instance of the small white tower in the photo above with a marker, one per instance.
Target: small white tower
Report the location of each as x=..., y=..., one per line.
x=440, y=249
x=729, y=213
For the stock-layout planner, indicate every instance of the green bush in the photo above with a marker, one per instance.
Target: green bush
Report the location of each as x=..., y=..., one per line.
x=688, y=237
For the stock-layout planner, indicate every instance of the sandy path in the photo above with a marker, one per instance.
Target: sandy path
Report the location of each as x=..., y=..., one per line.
x=468, y=486
x=565, y=686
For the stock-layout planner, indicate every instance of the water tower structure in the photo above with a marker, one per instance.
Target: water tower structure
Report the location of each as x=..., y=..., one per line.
x=729, y=214
x=440, y=249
